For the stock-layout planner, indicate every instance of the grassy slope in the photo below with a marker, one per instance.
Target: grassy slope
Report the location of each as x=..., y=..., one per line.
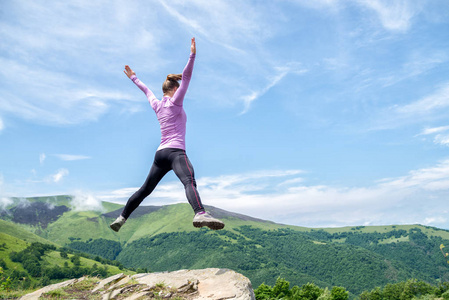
x=11, y=244
x=85, y=225
x=21, y=232
x=429, y=231
x=54, y=258
x=386, y=228
x=14, y=244
x=16, y=239
x=174, y=218
x=171, y=218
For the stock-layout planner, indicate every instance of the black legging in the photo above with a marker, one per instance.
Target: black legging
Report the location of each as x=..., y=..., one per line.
x=165, y=160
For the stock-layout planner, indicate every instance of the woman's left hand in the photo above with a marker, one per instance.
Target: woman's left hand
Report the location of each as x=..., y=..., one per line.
x=193, y=46
x=128, y=71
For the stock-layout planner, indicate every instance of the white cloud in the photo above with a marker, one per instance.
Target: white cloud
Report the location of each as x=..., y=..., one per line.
x=2, y=125
x=84, y=201
x=333, y=5
x=60, y=175
x=434, y=130
x=442, y=139
x=248, y=99
x=441, y=134
x=4, y=202
x=283, y=197
x=58, y=68
x=57, y=98
x=395, y=15
x=291, y=68
x=23, y=202
x=435, y=220
x=431, y=179
x=434, y=102
x=229, y=186
x=71, y=157
x=236, y=31
x=231, y=24
x=42, y=158
x=418, y=63
x=429, y=108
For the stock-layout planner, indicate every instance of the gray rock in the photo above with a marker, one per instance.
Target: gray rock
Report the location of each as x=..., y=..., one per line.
x=36, y=294
x=210, y=284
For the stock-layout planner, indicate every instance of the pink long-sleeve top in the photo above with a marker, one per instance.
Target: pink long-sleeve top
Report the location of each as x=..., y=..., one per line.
x=169, y=111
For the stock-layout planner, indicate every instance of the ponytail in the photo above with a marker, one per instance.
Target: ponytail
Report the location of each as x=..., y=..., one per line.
x=171, y=82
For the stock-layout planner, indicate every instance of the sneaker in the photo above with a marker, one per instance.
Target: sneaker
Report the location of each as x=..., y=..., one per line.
x=205, y=219
x=117, y=223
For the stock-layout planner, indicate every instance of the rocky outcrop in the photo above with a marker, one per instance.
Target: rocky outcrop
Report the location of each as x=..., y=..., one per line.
x=211, y=284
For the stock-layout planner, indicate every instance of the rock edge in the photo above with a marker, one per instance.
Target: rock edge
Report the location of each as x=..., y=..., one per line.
x=211, y=284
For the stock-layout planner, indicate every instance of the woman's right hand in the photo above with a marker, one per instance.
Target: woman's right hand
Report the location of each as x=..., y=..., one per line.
x=129, y=72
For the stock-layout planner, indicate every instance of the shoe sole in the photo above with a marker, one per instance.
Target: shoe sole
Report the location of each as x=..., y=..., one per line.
x=211, y=225
x=115, y=227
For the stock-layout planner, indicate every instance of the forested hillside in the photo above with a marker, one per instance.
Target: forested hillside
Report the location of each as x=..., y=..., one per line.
x=27, y=266
x=356, y=258
x=298, y=257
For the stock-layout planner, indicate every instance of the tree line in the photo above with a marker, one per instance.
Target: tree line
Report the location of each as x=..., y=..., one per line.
x=309, y=291
x=39, y=273
x=404, y=290
x=263, y=256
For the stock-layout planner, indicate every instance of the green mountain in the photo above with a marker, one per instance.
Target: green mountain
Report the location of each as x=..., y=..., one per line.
x=162, y=238
x=29, y=261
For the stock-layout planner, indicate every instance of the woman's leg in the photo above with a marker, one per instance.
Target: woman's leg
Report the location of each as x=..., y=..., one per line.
x=155, y=175
x=184, y=170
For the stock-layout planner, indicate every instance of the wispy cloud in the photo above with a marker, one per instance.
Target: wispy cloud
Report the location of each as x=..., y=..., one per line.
x=430, y=108
x=237, y=32
x=59, y=175
x=441, y=134
x=434, y=102
x=248, y=99
x=284, y=197
x=418, y=63
x=42, y=89
x=232, y=24
x=434, y=130
x=42, y=158
x=226, y=186
x=442, y=139
x=57, y=98
x=394, y=15
x=82, y=201
x=2, y=125
x=281, y=73
x=71, y=157
x=4, y=202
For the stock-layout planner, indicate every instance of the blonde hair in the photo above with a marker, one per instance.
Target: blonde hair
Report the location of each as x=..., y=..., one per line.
x=171, y=82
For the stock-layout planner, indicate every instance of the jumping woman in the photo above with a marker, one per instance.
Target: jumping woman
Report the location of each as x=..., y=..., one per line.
x=171, y=153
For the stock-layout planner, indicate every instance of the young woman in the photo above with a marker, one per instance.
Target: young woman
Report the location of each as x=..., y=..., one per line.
x=171, y=154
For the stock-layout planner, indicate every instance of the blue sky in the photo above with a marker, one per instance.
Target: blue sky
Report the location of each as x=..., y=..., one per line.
x=311, y=113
